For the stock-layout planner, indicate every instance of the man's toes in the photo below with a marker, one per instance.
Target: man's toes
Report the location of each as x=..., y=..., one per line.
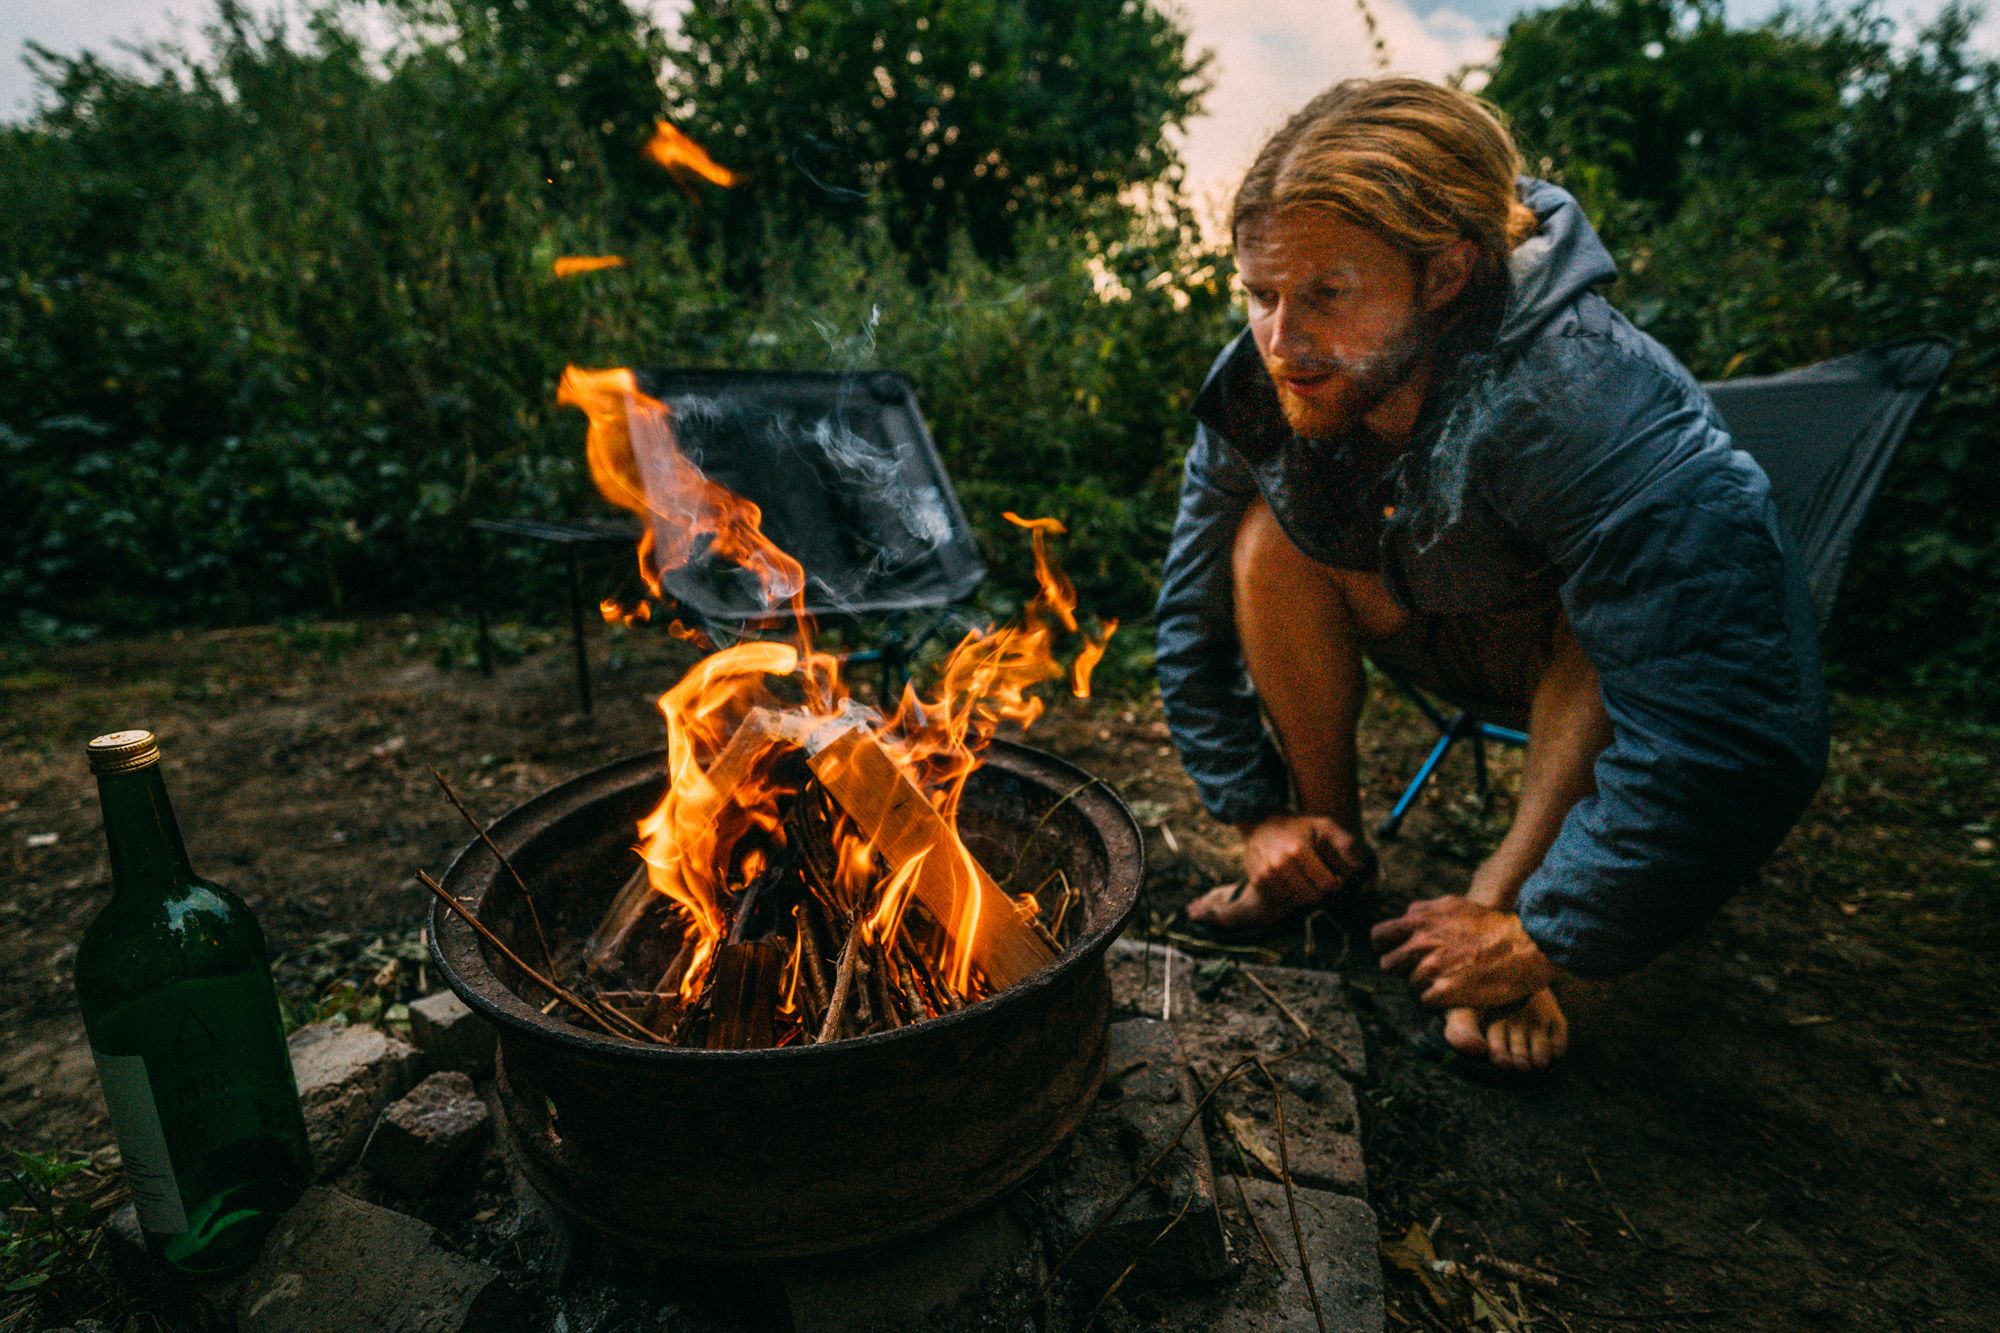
x=1496, y=1046
x=1462, y=1034
x=1540, y=1056
x=1518, y=1046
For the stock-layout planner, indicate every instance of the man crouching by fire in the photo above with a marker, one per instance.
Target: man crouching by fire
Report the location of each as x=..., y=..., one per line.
x=1437, y=447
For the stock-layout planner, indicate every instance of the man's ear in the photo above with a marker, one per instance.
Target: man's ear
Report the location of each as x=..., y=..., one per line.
x=1447, y=273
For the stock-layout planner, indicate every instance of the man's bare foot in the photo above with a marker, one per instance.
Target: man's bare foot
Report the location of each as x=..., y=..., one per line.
x=1523, y=1038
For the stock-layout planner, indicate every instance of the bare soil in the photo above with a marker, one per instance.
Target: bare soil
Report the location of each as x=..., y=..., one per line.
x=1786, y=1123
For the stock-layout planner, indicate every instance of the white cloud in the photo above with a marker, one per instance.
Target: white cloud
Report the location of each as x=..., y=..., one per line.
x=1273, y=55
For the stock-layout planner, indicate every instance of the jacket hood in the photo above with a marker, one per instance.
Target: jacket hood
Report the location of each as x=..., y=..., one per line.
x=1560, y=262
x=1548, y=271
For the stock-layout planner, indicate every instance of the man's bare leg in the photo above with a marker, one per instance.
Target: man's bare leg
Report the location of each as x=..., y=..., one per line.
x=1567, y=729
x=1302, y=627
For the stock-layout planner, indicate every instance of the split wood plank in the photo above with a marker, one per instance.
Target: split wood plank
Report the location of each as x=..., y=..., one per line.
x=891, y=812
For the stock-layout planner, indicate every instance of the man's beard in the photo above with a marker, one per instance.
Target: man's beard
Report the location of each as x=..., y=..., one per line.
x=1359, y=384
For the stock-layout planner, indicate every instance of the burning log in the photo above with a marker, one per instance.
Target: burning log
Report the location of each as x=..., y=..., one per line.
x=893, y=815
x=748, y=979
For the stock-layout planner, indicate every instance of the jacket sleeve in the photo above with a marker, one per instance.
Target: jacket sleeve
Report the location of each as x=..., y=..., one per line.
x=1685, y=597
x=1213, y=714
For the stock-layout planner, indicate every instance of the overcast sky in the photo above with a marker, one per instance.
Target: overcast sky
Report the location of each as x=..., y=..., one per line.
x=1270, y=55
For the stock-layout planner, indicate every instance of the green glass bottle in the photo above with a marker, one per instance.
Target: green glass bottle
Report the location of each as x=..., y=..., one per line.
x=183, y=1020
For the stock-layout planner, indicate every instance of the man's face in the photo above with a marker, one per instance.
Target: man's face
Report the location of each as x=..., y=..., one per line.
x=1335, y=313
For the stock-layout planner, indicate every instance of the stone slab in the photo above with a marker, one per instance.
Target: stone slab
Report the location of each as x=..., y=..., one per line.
x=336, y=1264
x=1342, y=1243
x=1222, y=1016
x=347, y=1073
x=426, y=1138
x=451, y=1035
x=1147, y=1097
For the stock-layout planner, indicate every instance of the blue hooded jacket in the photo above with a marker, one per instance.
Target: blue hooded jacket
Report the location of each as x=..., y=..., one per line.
x=1559, y=451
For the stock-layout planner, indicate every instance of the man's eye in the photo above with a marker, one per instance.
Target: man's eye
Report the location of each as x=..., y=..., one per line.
x=1328, y=295
x=1259, y=295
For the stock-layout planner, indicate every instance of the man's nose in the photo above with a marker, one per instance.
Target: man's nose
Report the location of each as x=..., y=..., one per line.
x=1291, y=338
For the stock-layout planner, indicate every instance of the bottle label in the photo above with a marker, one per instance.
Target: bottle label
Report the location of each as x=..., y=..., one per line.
x=142, y=1142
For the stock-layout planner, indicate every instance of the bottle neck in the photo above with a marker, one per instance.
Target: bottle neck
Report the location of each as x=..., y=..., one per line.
x=147, y=855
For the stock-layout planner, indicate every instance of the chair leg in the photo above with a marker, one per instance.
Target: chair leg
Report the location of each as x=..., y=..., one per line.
x=476, y=550
x=1479, y=764
x=576, y=631
x=1387, y=829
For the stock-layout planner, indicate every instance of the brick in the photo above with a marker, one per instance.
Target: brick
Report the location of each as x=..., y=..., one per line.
x=336, y=1264
x=346, y=1074
x=1148, y=1095
x=423, y=1140
x=451, y=1035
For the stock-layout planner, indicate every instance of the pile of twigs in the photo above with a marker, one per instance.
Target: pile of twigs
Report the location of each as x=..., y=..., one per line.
x=797, y=964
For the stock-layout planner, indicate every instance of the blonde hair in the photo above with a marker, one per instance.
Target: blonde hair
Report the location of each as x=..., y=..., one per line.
x=1420, y=164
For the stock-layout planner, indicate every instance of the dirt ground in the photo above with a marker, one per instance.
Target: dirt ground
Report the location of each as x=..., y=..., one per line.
x=1788, y=1123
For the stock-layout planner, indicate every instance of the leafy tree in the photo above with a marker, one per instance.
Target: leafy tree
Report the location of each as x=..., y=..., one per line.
x=948, y=116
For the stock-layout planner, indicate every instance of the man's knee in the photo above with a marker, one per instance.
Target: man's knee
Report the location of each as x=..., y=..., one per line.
x=1261, y=551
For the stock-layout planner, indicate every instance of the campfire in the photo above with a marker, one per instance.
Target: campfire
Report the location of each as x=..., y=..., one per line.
x=803, y=879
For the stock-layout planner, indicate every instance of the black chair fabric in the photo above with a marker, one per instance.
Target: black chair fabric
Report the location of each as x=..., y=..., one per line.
x=1824, y=434
x=849, y=482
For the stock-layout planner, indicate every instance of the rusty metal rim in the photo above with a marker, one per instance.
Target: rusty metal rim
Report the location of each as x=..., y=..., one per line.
x=458, y=954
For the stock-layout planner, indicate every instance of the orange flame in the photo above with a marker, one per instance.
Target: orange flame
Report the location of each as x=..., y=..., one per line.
x=689, y=634
x=568, y=266
x=614, y=614
x=682, y=155
x=897, y=782
x=638, y=466
x=1087, y=659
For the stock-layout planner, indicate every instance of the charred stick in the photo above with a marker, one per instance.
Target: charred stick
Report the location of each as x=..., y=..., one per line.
x=1068, y=900
x=843, y=985
x=918, y=972
x=1047, y=936
x=887, y=1012
x=667, y=990
x=627, y=910
x=913, y=1000
x=568, y=996
x=812, y=968
x=500, y=856
x=753, y=892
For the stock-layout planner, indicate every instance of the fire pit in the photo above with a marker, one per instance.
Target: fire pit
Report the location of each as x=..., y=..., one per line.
x=763, y=1154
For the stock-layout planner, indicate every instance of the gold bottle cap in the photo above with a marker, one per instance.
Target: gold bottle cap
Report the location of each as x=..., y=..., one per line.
x=123, y=751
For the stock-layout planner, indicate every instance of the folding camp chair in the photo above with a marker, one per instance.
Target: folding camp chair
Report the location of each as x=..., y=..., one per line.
x=850, y=486
x=1824, y=435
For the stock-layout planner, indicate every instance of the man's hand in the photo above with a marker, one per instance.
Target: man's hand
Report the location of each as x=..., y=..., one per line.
x=1299, y=859
x=1459, y=953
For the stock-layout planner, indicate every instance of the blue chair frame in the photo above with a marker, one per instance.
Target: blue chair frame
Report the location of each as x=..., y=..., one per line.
x=1460, y=726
